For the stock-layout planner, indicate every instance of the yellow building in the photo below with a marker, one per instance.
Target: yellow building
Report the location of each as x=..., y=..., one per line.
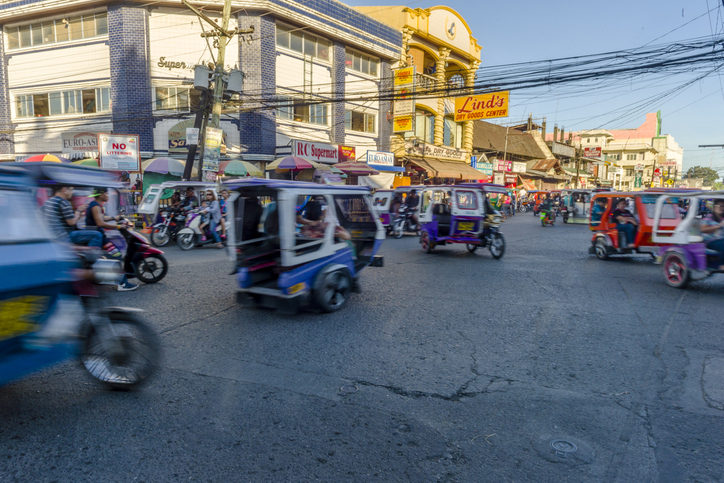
x=440, y=44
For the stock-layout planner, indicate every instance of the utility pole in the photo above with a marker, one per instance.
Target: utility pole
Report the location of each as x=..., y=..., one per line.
x=200, y=117
x=219, y=71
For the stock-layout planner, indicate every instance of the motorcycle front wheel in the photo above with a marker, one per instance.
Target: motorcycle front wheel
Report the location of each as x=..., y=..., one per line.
x=185, y=241
x=398, y=231
x=151, y=269
x=126, y=361
x=160, y=236
x=497, y=246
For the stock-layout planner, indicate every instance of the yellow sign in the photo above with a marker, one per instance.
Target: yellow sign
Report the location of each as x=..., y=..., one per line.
x=485, y=106
x=402, y=124
x=17, y=316
x=404, y=76
x=297, y=288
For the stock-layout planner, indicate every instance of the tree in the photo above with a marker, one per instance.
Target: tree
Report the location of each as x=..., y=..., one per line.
x=718, y=186
x=708, y=174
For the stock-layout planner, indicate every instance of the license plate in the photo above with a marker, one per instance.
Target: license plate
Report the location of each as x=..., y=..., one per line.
x=466, y=226
x=18, y=315
x=297, y=288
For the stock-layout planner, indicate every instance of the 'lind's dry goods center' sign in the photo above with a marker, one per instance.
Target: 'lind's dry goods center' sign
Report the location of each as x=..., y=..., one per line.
x=485, y=106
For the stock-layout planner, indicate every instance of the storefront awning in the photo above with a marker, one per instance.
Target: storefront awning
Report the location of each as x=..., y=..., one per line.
x=527, y=184
x=437, y=168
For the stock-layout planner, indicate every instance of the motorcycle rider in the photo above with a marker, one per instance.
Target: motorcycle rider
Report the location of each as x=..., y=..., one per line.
x=62, y=219
x=412, y=203
x=190, y=202
x=546, y=207
x=98, y=220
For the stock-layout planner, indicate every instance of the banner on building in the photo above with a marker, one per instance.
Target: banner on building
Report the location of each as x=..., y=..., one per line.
x=484, y=106
x=485, y=168
x=426, y=150
x=347, y=153
x=119, y=152
x=502, y=165
x=519, y=167
x=404, y=76
x=380, y=158
x=592, y=152
x=79, y=142
x=317, y=152
x=212, y=148
x=499, y=178
x=192, y=136
x=511, y=178
x=402, y=124
x=177, y=136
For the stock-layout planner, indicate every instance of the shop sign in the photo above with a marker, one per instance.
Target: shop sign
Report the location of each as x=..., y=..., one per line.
x=669, y=162
x=380, y=158
x=177, y=141
x=210, y=176
x=511, y=178
x=119, y=152
x=485, y=168
x=404, y=101
x=192, y=136
x=346, y=153
x=501, y=165
x=499, y=178
x=485, y=106
x=402, y=124
x=78, y=142
x=592, y=152
x=519, y=167
x=212, y=148
x=590, y=168
x=638, y=182
x=432, y=151
x=404, y=76
x=639, y=167
x=657, y=172
x=171, y=64
x=318, y=152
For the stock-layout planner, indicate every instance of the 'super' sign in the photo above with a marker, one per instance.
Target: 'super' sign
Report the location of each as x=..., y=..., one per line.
x=485, y=106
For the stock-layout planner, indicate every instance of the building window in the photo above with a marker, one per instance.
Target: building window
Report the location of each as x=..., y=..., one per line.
x=302, y=42
x=629, y=172
x=360, y=121
x=60, y=103
x=301, y=111
x=631, y=157
x=588, y=140
x=57, y=30
x=361, y=63
x=595, y=140
x=181, y=99
x=615, y=157
x=452, y=133
x=425, y=126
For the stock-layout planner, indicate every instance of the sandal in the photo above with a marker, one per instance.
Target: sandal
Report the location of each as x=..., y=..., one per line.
x=220, y=245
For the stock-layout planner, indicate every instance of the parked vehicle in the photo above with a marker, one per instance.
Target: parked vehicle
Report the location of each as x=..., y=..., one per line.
x=607, y=241
x=50, y=297
x=461, y=214
x=299, y=244
x=576, y=206
x=684, y=255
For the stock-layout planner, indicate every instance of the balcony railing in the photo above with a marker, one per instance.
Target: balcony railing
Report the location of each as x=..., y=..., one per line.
x=425, y=82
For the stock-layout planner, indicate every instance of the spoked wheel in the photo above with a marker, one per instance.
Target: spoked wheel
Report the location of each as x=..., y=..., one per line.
x=334, y=291
x=151, y=269
x=471, y=248
x=425, y=242
x=398, y=231
x=185, y=241
x=128, y=358
x=676, y=270
x=160, y=236
x=601, y=248
x=497, y=246
x=523, y=209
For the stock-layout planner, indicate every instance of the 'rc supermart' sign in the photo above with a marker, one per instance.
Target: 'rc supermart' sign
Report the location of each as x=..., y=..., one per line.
x=318, y=152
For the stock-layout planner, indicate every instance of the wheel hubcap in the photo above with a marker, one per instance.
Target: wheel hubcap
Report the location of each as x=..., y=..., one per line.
x=674, y=270
x=336, y=288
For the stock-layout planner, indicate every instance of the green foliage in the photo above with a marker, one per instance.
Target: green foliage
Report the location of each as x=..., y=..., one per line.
x=708, y=174
x=718, y=186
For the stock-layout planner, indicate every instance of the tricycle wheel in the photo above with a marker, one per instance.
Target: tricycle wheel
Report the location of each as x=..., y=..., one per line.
x=601, y=248
x=160, y=236
x=128, y=359
x=497, y=246
x=471, y=248
x=398, y=230
x=332, y=292
x=565, y=218
x=151, y=269
x=676, y=270
x=185, y=241
x=425, y=242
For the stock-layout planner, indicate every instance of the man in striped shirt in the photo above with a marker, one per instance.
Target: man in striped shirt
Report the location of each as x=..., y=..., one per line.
x=61, y=219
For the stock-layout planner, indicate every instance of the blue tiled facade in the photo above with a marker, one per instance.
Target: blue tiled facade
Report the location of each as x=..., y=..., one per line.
x=130, y=78
x=257, y=60
x=338, y=78
x=6, y=127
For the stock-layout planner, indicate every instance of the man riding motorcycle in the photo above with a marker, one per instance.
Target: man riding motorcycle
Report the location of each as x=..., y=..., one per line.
x=546, y=207
x=412, y=202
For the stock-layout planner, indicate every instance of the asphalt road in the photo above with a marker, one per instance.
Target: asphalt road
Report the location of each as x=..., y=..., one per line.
x=447, y=367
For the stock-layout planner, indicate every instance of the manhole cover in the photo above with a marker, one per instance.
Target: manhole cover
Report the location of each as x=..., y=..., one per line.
x=348, y=388
x=562, y=448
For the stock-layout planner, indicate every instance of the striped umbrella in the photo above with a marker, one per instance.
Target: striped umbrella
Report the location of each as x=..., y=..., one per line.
x=87, y=162
x=358, y=169
x=237, y=167
x=171, y=166
x=291, y=163
x=45, y=157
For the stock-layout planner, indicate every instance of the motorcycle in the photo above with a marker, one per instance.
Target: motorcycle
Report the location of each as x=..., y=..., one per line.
x=162, y=233
x=547, y=219
x=524, y=206
x=141, y=261
x=191, y=235
x=403, y=222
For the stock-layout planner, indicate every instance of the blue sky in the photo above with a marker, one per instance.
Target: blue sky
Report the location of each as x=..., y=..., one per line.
x=512, y=32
